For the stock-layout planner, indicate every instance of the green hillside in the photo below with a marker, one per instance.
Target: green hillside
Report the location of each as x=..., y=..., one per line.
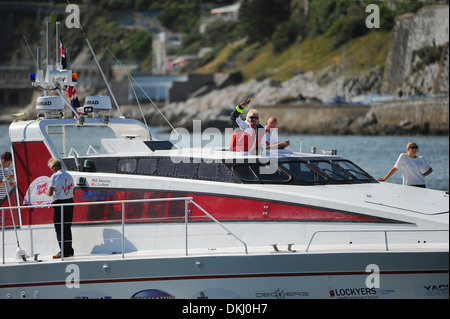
x=263, y=43
x=315, y=54
x=278, y=38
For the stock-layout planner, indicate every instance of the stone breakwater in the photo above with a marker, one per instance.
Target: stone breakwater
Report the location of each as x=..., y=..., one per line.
x=301, y=97
x=418, y=116
x=424, y=116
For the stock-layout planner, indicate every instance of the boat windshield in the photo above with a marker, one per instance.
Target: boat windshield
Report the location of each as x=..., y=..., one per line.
x=324, y=171
x=88, y=139
x=353, y=170
x=305, y=172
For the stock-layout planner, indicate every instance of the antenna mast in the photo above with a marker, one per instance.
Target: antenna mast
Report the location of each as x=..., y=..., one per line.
x=54, y=79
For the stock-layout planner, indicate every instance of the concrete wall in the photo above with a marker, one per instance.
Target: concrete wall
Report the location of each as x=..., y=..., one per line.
x=314, y=118
x=424, y=116
x=421, y=116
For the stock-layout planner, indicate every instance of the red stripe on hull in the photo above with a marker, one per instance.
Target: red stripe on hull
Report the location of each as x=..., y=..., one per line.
x=238, y=208
x=221, y=207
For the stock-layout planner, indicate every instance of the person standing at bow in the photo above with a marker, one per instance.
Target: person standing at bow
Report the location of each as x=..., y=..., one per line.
x=411, y=166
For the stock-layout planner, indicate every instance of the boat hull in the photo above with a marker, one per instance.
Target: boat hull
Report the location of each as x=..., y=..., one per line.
x=341, y=275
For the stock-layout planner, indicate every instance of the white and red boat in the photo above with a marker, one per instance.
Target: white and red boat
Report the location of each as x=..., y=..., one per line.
x=155, y=221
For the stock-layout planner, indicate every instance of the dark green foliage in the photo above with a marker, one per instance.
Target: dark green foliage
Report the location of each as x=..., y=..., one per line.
x=236, y=76
x=181, y=17
x=281, y=21
x=426, y=55
x=324, y=13
x=285, y=34
x=260, y=19
x=350, y=25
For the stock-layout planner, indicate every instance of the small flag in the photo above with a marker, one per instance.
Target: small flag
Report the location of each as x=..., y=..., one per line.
x=71, y=91
x=63, y=56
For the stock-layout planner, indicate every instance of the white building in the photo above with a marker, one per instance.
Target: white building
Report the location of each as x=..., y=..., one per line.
x=226, y=13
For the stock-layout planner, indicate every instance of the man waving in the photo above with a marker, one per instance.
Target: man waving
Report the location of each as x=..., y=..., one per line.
x=251, y=136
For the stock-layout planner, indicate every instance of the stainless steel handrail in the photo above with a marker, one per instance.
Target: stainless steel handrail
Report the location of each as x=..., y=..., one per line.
x=385, y=231
x=187, y=200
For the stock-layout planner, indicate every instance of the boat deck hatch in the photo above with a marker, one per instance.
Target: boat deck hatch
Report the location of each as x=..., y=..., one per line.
x=159, y=145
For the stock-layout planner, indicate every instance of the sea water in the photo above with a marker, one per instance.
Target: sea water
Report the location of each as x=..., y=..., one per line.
x=375, y=154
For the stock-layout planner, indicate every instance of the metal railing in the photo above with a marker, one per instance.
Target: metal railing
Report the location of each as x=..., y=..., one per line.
x=385, y=231
x=186, y=200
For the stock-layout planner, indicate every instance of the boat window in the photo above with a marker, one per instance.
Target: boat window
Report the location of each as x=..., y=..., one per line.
x=126, y=165
x=332, y=171
x=187, y=170
x=245, y=173
x=166, y=167
x=147, y=166
x=268, y=174
x=304, y=172
x=353, y=170
x=225, y=175
x=261, y=173
x=83, y=140
x=207, y=170
x=218, y=172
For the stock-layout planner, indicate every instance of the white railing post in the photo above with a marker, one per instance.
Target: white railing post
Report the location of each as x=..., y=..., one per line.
x=123, y=230
x=3, y=236
x=218, y=223
x=186, y=224
x=62, y=232
x=386, y=240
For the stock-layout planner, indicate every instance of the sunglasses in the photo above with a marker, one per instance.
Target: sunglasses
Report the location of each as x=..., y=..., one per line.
x=414, y=147
x=254, y=117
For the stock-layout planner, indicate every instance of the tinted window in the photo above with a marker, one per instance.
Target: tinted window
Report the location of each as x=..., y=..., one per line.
x=331, y=170
x=126, y=165
x=303, y=172
x=207, y=170
x=354, y=170
x=187, y=170
x=147, y=166
x=245, y=173
x=225, y=175
x=271, y=174
x=261, y=173
x=166, y=167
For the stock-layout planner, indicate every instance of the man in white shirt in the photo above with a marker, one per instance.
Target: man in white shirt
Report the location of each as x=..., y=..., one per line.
x=251, y=137
x=61, y=190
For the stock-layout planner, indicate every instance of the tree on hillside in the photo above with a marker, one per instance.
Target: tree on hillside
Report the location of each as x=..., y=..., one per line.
x=259, y=19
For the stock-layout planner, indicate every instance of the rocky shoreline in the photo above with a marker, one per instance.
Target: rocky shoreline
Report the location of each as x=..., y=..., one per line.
x=420, y=116
x=298, y=105
x=413, y=116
